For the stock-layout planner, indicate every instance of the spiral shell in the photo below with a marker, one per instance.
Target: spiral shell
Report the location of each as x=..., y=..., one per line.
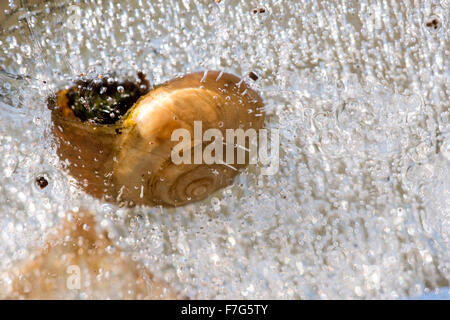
x=130, y=161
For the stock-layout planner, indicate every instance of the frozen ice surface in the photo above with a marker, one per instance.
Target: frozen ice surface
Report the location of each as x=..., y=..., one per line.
x=359, y=90
x=440, y=294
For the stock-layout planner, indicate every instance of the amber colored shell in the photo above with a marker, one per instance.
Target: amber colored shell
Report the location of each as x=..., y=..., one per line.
x=130, y=161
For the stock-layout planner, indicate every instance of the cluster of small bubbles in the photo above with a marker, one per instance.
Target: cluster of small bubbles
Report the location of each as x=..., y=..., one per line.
x=359, y=91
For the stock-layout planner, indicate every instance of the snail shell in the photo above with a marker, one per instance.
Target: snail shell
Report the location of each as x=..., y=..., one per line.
x=90, y=250
x=131, y=160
